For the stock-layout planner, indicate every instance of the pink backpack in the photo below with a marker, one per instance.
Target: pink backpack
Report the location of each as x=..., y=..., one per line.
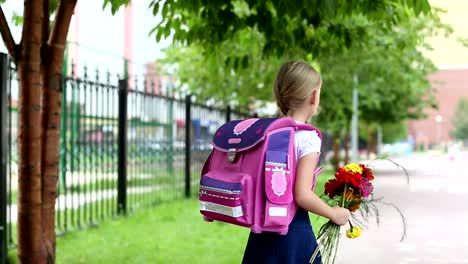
x=248, y=179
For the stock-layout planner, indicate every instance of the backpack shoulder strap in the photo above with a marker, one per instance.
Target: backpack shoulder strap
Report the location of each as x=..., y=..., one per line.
x=319, y=133
x=310, y=128
x=206, y=165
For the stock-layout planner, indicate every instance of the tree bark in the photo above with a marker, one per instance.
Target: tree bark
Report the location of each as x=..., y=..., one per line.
x=7, y=37
x=39, y=59
x=30, y=246
x=347, y=143
x=336, y=151
x=346, y=148
x=51, y=101
x=371, y=141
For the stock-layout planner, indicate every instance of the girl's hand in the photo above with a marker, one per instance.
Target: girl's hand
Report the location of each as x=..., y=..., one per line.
x=340, y=216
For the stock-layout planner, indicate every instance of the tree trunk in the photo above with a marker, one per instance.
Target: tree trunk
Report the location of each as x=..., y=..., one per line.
x=336, y=151
x=374, y=142
x=39, y=59
x=30, y=246
x=51, y=101
x=346, y=145
x=371, y=142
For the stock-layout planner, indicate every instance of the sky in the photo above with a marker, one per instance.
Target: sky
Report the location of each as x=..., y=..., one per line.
x=101, y=35
x=101, y=40
x=448, y=52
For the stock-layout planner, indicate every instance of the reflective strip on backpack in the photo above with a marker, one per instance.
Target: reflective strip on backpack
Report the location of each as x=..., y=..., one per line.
x=278, y=211
x=221, y=209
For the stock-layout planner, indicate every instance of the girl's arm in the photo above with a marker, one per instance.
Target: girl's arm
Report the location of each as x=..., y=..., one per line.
x=307, y=199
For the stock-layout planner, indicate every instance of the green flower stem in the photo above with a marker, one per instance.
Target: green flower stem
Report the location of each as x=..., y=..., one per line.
x=350, y=225
x=344, y=194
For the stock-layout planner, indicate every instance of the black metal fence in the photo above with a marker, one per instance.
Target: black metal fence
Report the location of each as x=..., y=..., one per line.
x=124, y=144
x=5, y=230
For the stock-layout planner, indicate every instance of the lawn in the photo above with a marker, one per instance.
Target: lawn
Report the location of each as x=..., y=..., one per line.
x=169, y=233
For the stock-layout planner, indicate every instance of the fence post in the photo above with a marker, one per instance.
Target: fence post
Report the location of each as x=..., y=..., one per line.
x=63, y=131
x=4, y=71
x=188, y=125
x=75, y=123
x=122, y=149
x=228, y=113
x=170, y=142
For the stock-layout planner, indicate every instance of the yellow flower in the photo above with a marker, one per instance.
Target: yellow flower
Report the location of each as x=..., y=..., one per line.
x=353, y=232
x=353, y=167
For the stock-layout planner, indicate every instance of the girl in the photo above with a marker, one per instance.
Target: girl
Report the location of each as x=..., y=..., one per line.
x=297, y=91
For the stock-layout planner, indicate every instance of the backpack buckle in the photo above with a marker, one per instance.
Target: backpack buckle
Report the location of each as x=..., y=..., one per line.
x=231, y=155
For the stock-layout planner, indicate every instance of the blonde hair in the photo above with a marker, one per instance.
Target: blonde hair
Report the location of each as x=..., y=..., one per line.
x=295, y=81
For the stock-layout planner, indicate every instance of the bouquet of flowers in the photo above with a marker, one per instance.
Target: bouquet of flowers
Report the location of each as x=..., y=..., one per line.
x=351, y=188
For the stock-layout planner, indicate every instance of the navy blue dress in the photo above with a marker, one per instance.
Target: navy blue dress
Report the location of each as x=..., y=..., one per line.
x=294, y=248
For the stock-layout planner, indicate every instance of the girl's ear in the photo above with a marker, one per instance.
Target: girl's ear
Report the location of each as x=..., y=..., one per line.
x=313, y=97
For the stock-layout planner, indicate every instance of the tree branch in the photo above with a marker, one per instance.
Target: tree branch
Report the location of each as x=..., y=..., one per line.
x=46, y=21
x=51, y=98
x=6, y=35
x=59, y=32
x=45, y=58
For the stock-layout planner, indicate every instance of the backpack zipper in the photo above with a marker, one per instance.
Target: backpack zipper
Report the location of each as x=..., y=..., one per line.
x=208, y=188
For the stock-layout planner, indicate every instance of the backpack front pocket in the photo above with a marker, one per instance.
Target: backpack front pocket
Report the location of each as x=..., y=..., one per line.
x=227, y=198
x=278, y=189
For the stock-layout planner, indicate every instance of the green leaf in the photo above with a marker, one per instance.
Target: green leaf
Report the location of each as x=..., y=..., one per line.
x=115, y=4
x=330, y=7
x=16, y=19
x=155, y=6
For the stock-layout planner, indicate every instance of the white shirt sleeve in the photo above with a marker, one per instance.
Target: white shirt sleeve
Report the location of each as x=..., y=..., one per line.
x=307, y=142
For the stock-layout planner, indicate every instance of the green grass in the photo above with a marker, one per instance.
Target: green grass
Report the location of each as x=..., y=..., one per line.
x=94, y=213
x=172, y=232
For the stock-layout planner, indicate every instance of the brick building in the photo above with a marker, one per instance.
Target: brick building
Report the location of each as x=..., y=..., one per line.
x=450, y=82
x=450, y=85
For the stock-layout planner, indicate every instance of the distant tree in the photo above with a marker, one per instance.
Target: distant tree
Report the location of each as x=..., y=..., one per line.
x=391, y=71
x=217, y=77
x=463, y=41
x=460, y=120
x=393, y=132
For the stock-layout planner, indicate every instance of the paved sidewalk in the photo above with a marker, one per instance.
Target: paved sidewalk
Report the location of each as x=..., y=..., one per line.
x=435, y=204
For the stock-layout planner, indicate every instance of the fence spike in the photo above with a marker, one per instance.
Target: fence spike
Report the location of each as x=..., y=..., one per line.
x=97, y=75
x=85, y=74
x=136, y=83
x=153, y=89
x=108, y=76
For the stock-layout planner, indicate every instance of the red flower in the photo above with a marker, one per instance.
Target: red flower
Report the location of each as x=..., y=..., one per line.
x=334, y=188
x=367, y=172
x=342, y=178
x=352, y=178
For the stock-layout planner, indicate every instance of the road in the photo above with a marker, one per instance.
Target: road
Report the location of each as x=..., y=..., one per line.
x=435, y=204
